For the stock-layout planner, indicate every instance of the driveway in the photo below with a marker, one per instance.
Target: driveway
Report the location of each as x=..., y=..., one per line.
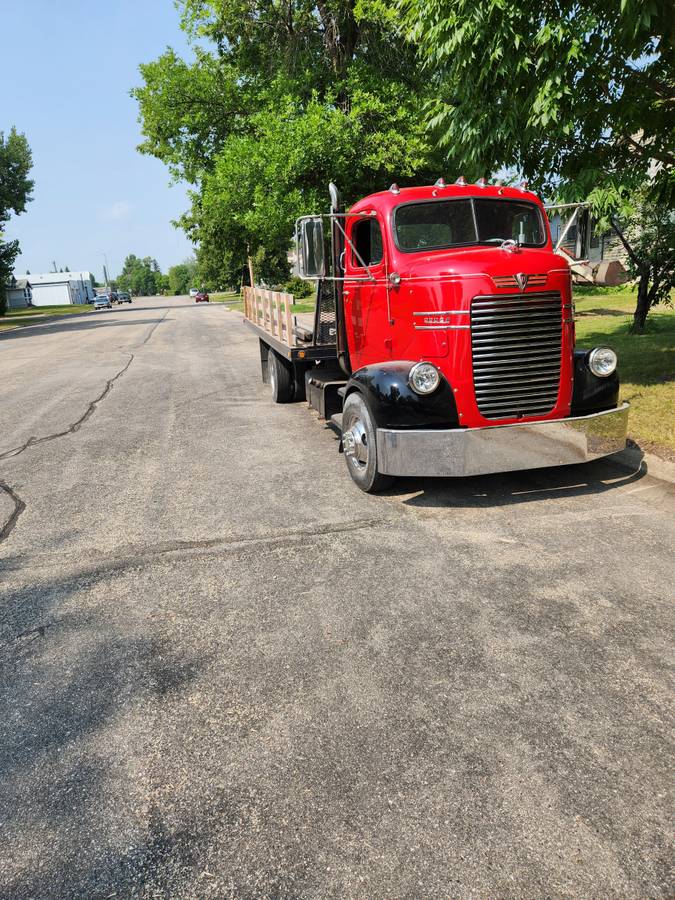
x=226, y=672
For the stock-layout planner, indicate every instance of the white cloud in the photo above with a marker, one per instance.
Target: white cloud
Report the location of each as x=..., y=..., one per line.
x=118, y=211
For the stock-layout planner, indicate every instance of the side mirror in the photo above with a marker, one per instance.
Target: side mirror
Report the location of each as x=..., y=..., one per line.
x=309, y=247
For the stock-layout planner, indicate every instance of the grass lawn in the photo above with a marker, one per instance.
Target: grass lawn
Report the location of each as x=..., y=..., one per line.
x=234, y=301
x=646, y=361
x=14, y=318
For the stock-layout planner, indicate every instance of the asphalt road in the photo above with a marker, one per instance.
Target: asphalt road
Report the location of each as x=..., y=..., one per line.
x=227, y=672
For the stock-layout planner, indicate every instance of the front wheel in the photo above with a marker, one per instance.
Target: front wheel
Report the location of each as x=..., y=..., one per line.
x=360, y=446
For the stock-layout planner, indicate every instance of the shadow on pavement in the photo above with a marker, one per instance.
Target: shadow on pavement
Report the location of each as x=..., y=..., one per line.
x=510, y=488
x=80, y=324
x=68, y=682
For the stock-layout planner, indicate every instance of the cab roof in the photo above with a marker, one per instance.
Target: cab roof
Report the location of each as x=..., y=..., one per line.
x=387, y=200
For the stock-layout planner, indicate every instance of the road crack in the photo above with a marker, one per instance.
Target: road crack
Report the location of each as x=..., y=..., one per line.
x=289, y=535
x=19, y=507
x=33, y=441
x=131, y=554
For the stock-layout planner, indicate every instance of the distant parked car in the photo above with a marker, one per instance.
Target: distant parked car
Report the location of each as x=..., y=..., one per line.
x=124, y=297
x=103, y=301
x=201, y=297
x=194, y=292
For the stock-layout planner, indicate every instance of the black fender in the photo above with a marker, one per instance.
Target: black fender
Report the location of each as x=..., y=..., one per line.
x=394, y=404
x=590, y=393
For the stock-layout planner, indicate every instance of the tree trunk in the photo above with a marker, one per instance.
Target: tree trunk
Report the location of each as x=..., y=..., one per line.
x=642, y=306
x=249, y=260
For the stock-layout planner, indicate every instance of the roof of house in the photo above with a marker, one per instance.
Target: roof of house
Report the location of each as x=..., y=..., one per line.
x=58, y=277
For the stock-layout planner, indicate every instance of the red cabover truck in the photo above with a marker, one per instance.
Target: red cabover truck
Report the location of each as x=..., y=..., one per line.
x=443, y=337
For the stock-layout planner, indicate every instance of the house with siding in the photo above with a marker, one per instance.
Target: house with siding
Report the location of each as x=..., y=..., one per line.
x=60, y=288
x=18, y=293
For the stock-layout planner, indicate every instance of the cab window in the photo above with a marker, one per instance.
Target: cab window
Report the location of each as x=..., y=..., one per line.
x=367, y=241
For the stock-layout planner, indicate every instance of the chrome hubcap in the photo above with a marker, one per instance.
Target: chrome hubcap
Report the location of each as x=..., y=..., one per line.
x=355, y=444
x=273, y=378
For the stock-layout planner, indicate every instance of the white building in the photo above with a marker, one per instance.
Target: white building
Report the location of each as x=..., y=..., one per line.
x=60, y=288
x=18, y=293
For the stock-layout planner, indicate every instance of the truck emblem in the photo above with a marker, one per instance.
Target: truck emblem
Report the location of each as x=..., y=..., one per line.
x=522, y=280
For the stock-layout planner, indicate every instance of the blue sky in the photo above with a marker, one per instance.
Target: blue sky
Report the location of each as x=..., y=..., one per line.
x=66, y=70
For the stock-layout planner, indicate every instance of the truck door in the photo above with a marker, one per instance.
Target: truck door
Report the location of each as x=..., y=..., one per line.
x=365, y=300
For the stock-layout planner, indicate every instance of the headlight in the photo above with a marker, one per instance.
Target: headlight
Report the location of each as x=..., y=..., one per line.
x=424, y=378
x=602, y=361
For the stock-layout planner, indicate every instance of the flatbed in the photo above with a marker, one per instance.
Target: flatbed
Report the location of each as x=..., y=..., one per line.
x=297, y=351
x=269, y=314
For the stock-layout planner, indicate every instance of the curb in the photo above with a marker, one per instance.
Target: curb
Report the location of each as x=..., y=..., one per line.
x=632, y=459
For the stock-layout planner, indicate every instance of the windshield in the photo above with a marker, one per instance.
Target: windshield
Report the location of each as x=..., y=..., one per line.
x=454, y=223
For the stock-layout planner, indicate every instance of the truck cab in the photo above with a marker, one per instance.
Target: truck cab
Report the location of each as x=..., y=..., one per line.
x=453, y=331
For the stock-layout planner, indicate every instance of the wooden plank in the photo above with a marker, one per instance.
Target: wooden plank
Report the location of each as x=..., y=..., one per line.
x=288, y=300
x=277, y=310
x=268, y=311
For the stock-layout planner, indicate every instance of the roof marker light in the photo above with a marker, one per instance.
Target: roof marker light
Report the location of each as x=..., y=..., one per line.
x=481, y=182
x=440, y=183
x=461, y=181
x=395, y=189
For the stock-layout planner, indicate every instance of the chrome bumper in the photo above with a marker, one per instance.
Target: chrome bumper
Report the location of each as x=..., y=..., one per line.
x=501, y=448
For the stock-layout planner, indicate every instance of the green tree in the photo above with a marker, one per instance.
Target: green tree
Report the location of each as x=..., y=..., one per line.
x=578, y=97
x=141, y=277
x=182, y=277
x=646, y=228
x=15, y=191
x=280, y=99
x=558, y=89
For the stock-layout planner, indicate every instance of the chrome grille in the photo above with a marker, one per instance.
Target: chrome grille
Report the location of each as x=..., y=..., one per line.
x=516, y=350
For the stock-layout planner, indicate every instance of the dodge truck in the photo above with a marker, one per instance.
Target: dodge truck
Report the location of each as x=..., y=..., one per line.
x=443, y=339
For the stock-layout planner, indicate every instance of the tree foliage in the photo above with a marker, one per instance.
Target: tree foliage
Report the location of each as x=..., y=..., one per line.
x=565, y=92
x=578, y=97
x=15, y=192
x=283, y=96
x=141, y=277
x=182, y=277
x=646, y=228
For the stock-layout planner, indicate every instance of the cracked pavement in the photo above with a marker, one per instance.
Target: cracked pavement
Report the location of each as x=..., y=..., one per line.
x=228, y=673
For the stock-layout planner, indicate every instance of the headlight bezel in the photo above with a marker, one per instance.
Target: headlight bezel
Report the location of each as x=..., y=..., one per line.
x=417, y=368
x=592, y=358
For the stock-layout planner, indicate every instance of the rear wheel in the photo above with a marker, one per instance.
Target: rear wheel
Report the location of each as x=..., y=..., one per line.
x=281, y=378
x=360, y=446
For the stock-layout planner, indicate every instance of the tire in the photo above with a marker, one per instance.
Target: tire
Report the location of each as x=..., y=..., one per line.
x=281, y=379
x=360, y=446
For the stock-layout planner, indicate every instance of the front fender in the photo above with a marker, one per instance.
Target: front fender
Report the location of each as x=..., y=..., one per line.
x=590, y=393
x=394, y=404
